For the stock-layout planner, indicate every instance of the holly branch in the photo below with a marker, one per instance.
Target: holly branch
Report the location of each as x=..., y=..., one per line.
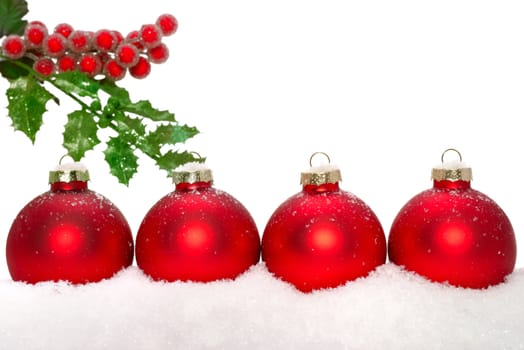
x=135, y=127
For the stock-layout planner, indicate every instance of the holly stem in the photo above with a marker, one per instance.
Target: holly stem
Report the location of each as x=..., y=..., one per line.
x=51, y=81
x=39, y=76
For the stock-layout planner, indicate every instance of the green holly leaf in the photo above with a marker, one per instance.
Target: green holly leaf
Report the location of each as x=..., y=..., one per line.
x=11, y=14
x=80, y=134
x=12, y=71
x=169, y=134
x=141, y=108
x=145, y=109
x=121, y=159
x=77, y=83
x=130, y=128
x=173, y=159
x=115, y=91
x=27, y=101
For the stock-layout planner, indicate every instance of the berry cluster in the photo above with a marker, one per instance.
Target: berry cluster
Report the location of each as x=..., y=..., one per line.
x=105, y=52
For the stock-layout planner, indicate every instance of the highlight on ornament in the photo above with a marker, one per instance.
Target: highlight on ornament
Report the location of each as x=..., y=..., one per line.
x=322, y=237
x=452, y=233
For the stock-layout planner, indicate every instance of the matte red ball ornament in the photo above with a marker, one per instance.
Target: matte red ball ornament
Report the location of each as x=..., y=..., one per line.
x=453, y=233
x=322, y=237
x=69, y=233
x=197, y=233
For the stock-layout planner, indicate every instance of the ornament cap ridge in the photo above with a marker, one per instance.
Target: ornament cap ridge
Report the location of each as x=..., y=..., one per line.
x=192, y=172
x=461, y=174
x=320, y=175
x=69, y=172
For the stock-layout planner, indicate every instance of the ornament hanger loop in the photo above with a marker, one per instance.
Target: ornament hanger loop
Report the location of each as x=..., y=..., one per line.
x=316, y=154
x=453, y=150
x=62, y=158
x=196, y=154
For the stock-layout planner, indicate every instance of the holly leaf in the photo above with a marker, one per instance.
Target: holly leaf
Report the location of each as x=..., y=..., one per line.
x=145, y=109
x=141, y=108
x=121, y=159
x=77, y=83
x=12, y=71
x=80, y=134
x=173, y=159
x=169, y=134
x=115, y=91
x=130, y=128
x=11, y=14
x=27, y=101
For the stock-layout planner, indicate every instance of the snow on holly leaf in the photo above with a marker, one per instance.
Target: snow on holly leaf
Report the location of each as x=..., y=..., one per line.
x=171, y=159
x=143, y=108
x=135, y=126
x=121, y=159
x=169, y=135
x=27, y=103
x=76, y=83
x=80, y=134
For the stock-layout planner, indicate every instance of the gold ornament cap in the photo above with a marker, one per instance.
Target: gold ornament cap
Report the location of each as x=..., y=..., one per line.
x=454, y=170
x=69, y=172
x=192, y=172
x=321, y=174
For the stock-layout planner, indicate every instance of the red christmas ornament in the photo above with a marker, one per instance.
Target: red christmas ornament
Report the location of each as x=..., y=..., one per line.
x=322, y=237
x=197, y=233
x=453, y=233
x=68, y=233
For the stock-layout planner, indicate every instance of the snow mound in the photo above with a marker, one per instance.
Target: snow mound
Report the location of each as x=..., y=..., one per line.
x=389, y=309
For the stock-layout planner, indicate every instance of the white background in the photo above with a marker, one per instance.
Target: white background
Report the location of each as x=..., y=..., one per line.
x=382, y=86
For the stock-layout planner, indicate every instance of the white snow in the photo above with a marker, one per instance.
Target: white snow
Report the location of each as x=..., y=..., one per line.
x=389, y=309
x=324, y=168
x=451, y=165
x=192, y=167
x=72, y=166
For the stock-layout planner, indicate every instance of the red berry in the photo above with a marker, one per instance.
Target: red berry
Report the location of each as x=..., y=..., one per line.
x=141, y=69
x=40, y=23
x=34, y=35
x=90, y=64
x=118, y=37
x=167, y=23
x=158, y=54
x=54, y=45
x=104, y=40
x=150, y=35
x=66, y=63
x=113, y=70
x=127, y=54
x=44, y=66
x=79, y=41
x=13, y=46
x=134, y=38
x=65, y=29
